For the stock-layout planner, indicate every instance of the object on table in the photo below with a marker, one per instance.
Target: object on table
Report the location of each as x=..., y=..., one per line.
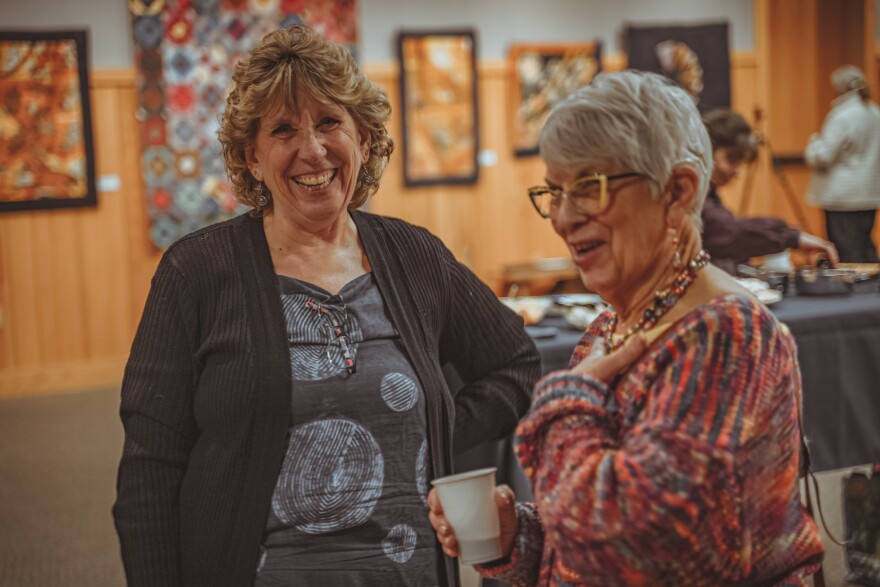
x=531, y=309
x=543, y=276
x=582, y=316
x=542, y=331
x=775, y=278
x=760, y=289
x=824, y=282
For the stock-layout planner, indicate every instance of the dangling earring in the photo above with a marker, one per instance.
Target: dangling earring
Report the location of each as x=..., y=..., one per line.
x=677, y=263
x=262, y=199
x=366, y=178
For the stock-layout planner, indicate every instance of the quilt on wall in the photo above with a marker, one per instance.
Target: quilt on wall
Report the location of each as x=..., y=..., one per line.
x=185, y=51
x=696, y=57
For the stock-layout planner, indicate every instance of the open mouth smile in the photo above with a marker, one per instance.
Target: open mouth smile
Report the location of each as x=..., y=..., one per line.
x=317, y=181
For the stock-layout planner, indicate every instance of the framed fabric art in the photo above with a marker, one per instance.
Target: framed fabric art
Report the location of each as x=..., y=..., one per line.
x=541, y=76
x=438, y=89
x=695, y=57
x=46, y=153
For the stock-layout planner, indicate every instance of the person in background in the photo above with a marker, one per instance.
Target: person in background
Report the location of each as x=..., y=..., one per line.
x=284, y=404
x=845, y=157
x=731, y=239
x=668, y=453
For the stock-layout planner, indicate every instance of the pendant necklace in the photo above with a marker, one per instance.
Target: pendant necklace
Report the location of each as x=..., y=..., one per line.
x=660, y=305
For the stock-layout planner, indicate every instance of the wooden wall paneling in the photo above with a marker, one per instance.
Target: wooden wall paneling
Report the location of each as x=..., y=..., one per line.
x=73, y=282
x=73, y=285
x=105, y=255
x=23, y=297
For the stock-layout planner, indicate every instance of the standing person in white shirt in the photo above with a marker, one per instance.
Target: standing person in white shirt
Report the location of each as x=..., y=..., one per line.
x=845, y=157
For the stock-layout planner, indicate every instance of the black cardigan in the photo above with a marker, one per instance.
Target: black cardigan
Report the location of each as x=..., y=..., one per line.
x=206, y=392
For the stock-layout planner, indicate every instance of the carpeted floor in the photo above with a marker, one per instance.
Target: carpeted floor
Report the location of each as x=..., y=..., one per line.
x=58, y=457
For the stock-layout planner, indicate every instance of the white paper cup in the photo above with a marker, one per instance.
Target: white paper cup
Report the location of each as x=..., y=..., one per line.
x=468, y=501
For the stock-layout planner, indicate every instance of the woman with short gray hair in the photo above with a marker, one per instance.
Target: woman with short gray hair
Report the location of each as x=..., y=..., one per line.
x=667, y=454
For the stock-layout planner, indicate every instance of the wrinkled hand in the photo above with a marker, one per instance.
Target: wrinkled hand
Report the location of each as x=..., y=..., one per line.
x=814, y=246
x=606, y=368
x=505, y=501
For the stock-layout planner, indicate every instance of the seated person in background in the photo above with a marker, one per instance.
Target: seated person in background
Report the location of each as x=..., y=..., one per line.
x=668, y=454
x=730, y=239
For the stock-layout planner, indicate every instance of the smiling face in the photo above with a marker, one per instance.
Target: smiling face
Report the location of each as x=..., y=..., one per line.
x=618, y=251
x=309, y=159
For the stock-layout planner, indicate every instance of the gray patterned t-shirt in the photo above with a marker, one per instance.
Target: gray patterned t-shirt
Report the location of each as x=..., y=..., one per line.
x=349, y=506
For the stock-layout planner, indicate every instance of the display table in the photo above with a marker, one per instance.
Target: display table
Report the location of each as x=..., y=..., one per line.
x=838, y=339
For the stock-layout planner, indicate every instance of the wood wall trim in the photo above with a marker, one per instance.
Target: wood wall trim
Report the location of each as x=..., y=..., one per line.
x=103, y=78
x=75, y=376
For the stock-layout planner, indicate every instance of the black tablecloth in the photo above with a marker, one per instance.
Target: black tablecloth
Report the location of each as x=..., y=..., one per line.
x=838, y=339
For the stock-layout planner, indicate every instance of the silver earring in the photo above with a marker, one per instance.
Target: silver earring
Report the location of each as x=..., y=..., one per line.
x=262, y=199
x=366, y=178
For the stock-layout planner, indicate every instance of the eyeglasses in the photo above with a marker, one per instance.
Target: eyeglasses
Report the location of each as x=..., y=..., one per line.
x=589, y=194
x=346, y=348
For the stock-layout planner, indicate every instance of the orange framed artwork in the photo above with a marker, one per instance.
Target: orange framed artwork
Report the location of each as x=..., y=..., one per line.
x=438, y=94
x=541, y=76
x=46, y=154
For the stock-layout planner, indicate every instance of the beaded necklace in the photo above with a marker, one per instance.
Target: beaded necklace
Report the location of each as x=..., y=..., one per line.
x=662, y=303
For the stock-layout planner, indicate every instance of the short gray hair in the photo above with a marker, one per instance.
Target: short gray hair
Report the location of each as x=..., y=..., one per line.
x=848, y=78
x=636, y=119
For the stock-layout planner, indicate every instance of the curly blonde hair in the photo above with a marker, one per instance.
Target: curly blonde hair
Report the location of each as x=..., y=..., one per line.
x=287, y=60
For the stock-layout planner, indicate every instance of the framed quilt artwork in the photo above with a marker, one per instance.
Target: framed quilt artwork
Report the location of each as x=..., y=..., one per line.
x=541, y=76
x=438, y=94
x=695, y=57
x=46, y=152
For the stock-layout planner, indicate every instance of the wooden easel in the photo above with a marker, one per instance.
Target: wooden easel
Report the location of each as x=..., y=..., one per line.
x=778, y=171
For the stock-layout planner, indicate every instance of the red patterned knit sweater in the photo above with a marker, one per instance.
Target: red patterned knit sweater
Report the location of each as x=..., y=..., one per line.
x=682, y=473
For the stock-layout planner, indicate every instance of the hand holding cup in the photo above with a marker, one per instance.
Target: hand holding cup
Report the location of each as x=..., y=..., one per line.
x=478, y=529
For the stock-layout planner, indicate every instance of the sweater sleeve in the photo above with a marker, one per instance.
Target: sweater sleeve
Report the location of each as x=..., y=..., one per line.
x=494, y=356
x=156, y=412
x=663, y=499
x=726, y=236
x=825, y=148
x=522, y=568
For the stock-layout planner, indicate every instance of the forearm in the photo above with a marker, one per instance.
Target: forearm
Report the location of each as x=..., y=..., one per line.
x=496, y=359
x=751, y=237
x=146, y=511
x=627, y=508
x=522, y=567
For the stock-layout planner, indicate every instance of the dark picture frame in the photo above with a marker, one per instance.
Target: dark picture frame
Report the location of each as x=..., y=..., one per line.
x=696, y=57
x=438, y=97
x=46, y=151
x=540, y=76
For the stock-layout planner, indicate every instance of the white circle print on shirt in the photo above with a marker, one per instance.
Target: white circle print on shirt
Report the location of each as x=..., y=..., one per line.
x=399, y=392
x=400, y=543
x=331, y=479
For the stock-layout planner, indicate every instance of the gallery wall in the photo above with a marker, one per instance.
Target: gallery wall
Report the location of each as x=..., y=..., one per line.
x=498, y=22
x=73, y=282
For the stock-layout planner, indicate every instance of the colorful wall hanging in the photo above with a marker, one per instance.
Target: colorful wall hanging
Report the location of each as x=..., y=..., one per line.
x=46, y=154
x=185, y=51
x=438, y=89
x=695, y=57
x=541, y=76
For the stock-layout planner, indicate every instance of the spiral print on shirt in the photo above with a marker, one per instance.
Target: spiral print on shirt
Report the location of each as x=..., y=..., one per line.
x=400, y=543
x=331, y=478
x=399, y=392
